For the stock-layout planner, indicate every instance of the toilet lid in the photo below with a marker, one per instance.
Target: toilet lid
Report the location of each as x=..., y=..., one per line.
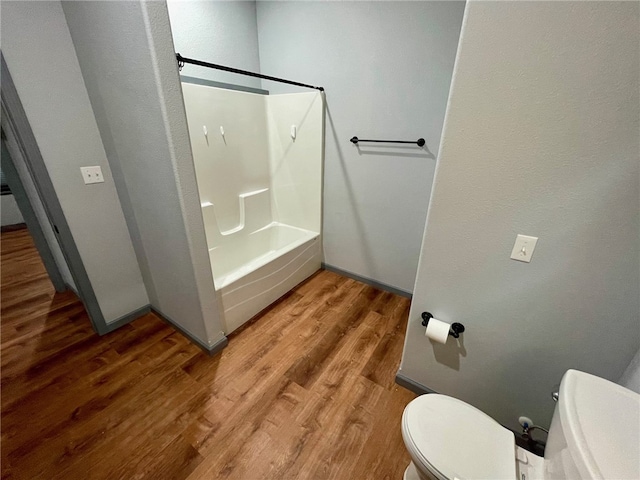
x=454, y=440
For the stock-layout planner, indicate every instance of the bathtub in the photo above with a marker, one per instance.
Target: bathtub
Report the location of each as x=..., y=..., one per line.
x=260, y=190
x=257, y=269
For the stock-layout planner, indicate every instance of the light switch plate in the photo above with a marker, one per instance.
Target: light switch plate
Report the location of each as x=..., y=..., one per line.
x=523, y=248
x=92, y=175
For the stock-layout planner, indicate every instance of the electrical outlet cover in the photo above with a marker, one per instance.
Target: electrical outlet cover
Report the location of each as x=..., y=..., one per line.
x=92, y=175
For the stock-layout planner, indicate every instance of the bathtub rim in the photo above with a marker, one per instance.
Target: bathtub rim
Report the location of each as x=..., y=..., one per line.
x=225, y=280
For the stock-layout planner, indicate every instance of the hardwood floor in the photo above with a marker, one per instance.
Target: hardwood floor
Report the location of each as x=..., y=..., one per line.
x=306, y=391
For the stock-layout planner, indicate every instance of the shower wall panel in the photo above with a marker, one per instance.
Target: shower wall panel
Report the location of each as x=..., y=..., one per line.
x=258, y=160
x=295, y=165
x=232, y=163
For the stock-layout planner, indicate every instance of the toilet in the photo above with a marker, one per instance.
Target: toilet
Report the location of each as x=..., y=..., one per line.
x=594, y=434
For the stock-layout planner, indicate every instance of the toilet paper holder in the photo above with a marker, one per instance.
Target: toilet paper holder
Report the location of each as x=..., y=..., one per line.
x=455, y=330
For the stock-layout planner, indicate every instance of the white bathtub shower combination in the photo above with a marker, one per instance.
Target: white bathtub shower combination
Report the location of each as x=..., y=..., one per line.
x=258, y=162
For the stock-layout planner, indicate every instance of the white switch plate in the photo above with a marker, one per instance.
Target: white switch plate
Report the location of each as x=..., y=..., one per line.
x=523, y=248
x=92, y=175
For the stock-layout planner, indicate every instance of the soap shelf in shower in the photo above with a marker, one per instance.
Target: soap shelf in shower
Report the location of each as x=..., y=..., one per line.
x=255, y=213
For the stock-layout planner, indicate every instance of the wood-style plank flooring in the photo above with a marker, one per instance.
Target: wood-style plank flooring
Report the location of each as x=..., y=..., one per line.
x=305, y=391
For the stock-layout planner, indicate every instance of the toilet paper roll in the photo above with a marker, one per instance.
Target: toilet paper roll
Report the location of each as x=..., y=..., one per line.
x=437, y=330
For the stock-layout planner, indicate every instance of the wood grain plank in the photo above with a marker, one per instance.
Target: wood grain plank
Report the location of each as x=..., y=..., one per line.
x=307, y=369
x=304, y=390
x=383, y=363
x=174, y=462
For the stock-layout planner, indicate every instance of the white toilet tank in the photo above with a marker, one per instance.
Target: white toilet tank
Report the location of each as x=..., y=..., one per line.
x=594, y=431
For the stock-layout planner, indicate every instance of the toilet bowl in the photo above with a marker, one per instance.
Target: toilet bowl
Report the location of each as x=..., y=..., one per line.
x=593, y=434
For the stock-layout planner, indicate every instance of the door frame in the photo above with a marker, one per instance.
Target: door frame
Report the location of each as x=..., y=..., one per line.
x=16, y=124
x=33, y=224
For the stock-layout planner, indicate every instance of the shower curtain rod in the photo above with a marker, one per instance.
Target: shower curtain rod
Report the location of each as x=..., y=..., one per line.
x=182, y=60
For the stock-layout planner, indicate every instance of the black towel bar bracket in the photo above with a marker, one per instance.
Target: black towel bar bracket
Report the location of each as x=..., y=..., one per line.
x=420, y=142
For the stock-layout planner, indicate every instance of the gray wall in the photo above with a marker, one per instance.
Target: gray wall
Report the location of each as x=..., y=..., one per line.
x=540, y=138
x=386, y=67
x=134, y=89
x=222, y=32
x=40, y=56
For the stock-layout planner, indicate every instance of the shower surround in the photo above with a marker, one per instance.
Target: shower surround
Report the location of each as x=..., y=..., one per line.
x=258, y=161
